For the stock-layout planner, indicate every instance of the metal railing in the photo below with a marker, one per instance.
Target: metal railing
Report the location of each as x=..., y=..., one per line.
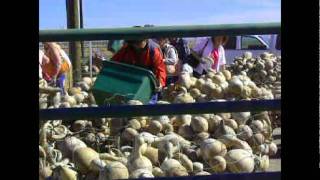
x=159, y=109
x=160, y=31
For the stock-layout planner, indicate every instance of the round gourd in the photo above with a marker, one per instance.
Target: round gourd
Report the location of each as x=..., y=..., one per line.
x=199, y=124
x=82, y=158
x=218, y=164
x=241, y=117
x=211, y=147
x=244, y=132
x=239, y=161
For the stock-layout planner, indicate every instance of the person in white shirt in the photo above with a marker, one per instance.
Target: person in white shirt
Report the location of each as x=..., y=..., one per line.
x=171, y=59
x=211, y=53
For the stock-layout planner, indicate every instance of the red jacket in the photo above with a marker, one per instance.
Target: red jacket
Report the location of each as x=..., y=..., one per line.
x=129, y=56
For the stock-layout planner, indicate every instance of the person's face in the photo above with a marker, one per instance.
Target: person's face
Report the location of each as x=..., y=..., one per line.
x=173, y=39
x=218, y=40
x=162, y=42
x=140, y=45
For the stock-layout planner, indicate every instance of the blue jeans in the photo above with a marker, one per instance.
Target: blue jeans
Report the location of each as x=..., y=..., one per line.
x=61, y=82
x=154, y=99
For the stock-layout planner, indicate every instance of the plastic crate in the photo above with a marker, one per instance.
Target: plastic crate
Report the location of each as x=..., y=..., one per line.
x=117, y=83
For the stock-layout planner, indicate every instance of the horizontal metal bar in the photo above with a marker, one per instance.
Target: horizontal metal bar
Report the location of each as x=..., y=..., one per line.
x=229, y=176
x=159, y=31
x=159, y=109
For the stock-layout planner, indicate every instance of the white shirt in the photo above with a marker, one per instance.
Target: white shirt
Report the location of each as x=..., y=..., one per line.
x=171, y=57
x=199, y=45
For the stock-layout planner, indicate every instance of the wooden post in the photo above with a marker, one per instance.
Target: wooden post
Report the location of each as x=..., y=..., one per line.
x=73, y=21
x=81, y=26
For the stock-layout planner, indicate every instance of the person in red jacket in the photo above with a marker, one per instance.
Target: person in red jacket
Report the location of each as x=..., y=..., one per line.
x=144, y=53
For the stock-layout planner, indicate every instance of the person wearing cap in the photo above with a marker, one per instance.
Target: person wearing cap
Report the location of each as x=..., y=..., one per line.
x=210, y=53
x=143, y=53
x=59, y=65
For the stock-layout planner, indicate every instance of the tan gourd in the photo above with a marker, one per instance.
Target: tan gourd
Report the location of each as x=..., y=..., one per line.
x=114, y=170
x=79, y=97
x=64, y=173
x=152, y=154
x=218, y=164
x=69, y=145
x=182, y=120
x=157, y=172
x=200, y=137
x=239, y=161
x=184, y=80
x=256, y=140
x=70, y=99
x=136, y=160
x=186, y=131
x=154, y=127
x=74, y=90
x=128, y=134
x=223, y=130
x=184, y=97
x=232, y=142
x=199, y=83
x=135, y=124
x=235, y=86
x=218, y=79
x=195, y=93
x=257, y=126
x=197, y=167
x=212, y=147
x=241, y=117
x=213, y=123
x=82, y=158
x=244, y=132
x=231, y=123
x=272, y=149
x=185, y=161
x=199, y=124
x=227, y=74
x=172, y=167
x=87, y=80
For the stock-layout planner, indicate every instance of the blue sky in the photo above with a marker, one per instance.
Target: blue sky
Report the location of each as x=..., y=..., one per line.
x=126, y=13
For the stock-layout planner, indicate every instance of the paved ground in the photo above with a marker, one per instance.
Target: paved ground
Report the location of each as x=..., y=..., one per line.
x=275, y=163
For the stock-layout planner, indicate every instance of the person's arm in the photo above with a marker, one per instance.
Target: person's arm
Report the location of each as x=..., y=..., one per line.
x=223, y=58
x=55, y=57
x=159, y=68
x=119, y=55
x=66, y=57
x=171, y=57
x=45, y=59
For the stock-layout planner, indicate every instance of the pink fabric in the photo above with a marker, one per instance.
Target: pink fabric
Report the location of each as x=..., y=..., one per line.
x=215, y=55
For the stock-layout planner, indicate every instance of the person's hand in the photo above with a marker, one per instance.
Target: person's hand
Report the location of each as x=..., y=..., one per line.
x=164, y=60
x=159, y=88
x=53, y=81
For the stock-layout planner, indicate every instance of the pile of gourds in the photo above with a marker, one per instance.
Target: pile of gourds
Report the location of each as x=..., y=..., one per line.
x=264, y=70
x=177, y=145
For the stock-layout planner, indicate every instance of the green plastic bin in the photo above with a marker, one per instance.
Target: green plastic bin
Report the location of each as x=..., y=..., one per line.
x=117, y=83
